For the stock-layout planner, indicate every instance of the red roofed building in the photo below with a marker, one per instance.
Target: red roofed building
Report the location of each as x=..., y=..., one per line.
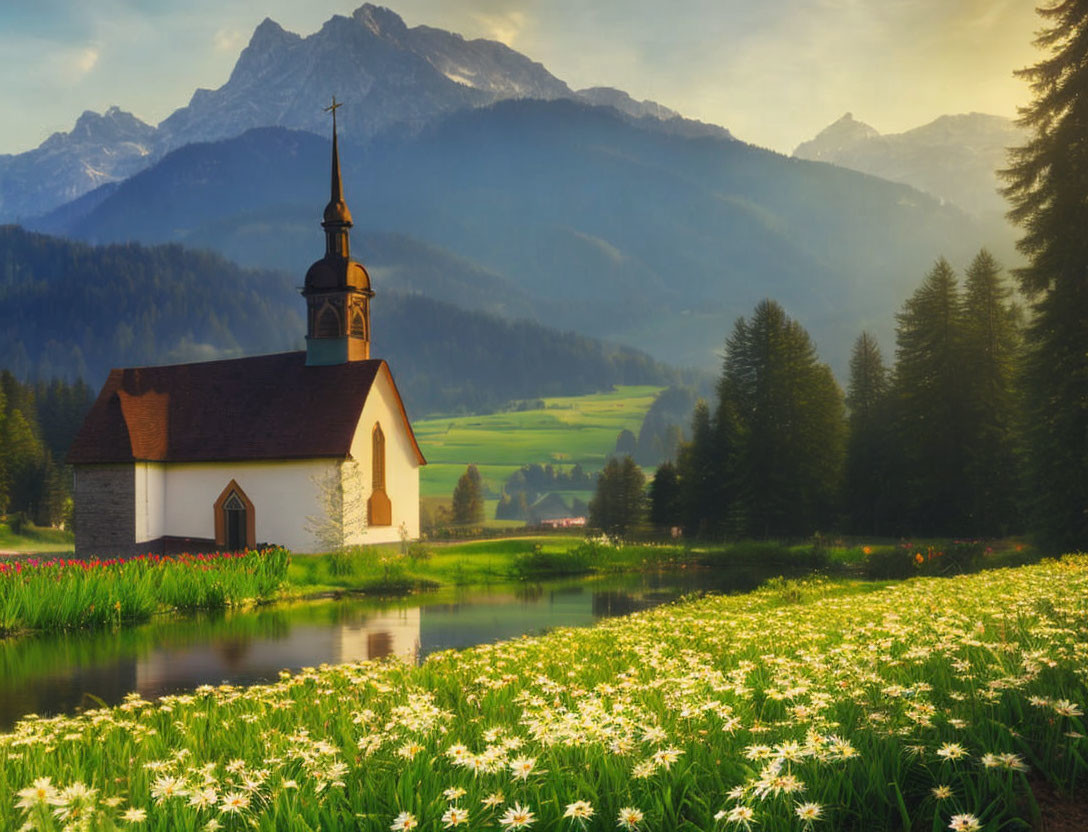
x=310, y=450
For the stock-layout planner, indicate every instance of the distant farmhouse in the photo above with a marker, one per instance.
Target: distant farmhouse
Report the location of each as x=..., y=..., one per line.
x=302, y=449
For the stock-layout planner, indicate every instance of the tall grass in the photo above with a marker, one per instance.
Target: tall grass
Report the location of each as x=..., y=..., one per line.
x=899, y=707
x=61, y=594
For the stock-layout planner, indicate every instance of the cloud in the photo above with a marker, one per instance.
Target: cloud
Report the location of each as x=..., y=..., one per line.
x=227, y=40
x=505, y=27
x=80, y=61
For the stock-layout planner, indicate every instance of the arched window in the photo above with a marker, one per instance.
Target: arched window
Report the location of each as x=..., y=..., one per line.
x=378, y=458
x=358, y=323
x=235, y=519
x=379, y=508
x=328, y=322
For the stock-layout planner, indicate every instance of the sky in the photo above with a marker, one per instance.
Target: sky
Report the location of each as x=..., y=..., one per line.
x=775, y=72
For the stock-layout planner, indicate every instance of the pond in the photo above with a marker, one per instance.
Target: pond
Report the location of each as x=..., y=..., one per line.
x=63, y=673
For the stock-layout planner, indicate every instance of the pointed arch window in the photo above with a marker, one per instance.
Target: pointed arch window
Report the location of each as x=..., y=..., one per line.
x=379, y=508
x=378, y=457
x=327, y=324
x=358, y=323
x=235, y=519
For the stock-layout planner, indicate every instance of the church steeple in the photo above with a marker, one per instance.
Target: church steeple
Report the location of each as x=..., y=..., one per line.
x=337, y=288
x=337, y=216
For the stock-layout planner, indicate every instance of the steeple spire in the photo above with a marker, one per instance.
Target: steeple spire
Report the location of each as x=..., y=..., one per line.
x=337, y=219
x=337, y=289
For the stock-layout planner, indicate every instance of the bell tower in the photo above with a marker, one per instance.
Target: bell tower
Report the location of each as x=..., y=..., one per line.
x=337, y=288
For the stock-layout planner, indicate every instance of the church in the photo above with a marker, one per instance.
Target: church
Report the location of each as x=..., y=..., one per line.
x=308, y=450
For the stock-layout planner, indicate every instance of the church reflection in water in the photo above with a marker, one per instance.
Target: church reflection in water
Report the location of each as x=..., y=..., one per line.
x=245, y=660
x=65, y=672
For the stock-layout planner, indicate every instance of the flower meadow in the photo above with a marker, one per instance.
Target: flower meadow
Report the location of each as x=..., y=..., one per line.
x=60, y=594
x=929, y=704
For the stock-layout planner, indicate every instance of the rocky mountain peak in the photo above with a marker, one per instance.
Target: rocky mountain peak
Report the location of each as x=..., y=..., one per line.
x=835, y=138
x=269, y=31
x=114, y=124
x=381, y=21
x=389, y=75
x=954, y=157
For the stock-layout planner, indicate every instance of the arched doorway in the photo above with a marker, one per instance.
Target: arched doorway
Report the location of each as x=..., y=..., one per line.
x=235, y=519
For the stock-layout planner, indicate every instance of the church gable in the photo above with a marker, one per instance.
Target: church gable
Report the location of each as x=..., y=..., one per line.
x=389, y=457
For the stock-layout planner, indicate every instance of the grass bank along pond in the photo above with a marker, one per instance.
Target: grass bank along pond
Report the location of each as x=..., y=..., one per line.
x=61, y=593
x=932, y=703
x=59, y=673
x=42, y=594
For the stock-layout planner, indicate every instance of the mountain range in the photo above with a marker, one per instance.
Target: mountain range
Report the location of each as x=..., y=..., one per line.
x=955, y=157
x=568, y=212
x=394, y=78
x=478, y=178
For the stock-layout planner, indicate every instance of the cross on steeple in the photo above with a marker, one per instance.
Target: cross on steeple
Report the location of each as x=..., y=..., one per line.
x=332, y=108
x=337, y=215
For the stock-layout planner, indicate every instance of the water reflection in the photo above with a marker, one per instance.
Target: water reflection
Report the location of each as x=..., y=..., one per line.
x=63, y=673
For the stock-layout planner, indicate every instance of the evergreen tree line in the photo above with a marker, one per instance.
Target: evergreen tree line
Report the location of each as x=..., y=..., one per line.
x=37, y=425
x=932, y=446
x=981, y=426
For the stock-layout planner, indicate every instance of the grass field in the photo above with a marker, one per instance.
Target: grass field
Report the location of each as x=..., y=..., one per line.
x=61, y=594
x=34, y=539
x=928, y=704
x=568, y=430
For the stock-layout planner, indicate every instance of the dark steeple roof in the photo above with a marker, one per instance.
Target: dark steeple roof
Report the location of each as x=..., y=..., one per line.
x=337, y=210
x=336, y=270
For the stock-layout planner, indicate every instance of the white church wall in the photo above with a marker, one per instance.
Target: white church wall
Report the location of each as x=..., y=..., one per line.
x=150, y=501
x=283, y=494
x=401, y=464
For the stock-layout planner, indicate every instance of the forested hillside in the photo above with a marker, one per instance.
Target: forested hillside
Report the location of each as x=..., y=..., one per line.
x=73, y=310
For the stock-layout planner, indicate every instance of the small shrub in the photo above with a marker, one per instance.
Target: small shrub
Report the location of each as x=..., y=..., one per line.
x=768, y=554
x=785, y=590
x=540, y=564
x=884, y=563
x=418, y=552
x=909, y=559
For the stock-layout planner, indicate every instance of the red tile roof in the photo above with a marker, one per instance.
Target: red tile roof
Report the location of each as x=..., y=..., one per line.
x=266, y=407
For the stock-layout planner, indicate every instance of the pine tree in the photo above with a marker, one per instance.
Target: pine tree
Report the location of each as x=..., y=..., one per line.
x=991, y=343
x=931, y=407
x=468, y=498
x=618, y=505
x=23, y=460
x=5, y=474
x=696, y=473
x=790, y=425
x=867, y=460
x=626, y=443
x=727, y=495
x=665, y=497
x=1046, y=184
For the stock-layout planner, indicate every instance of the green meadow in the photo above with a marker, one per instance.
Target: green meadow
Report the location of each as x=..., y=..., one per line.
x=34, y=539
x=928, y=704
x=567, y=430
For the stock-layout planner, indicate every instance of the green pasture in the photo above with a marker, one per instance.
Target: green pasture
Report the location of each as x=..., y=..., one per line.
x=34, y=539
x=567, y=430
